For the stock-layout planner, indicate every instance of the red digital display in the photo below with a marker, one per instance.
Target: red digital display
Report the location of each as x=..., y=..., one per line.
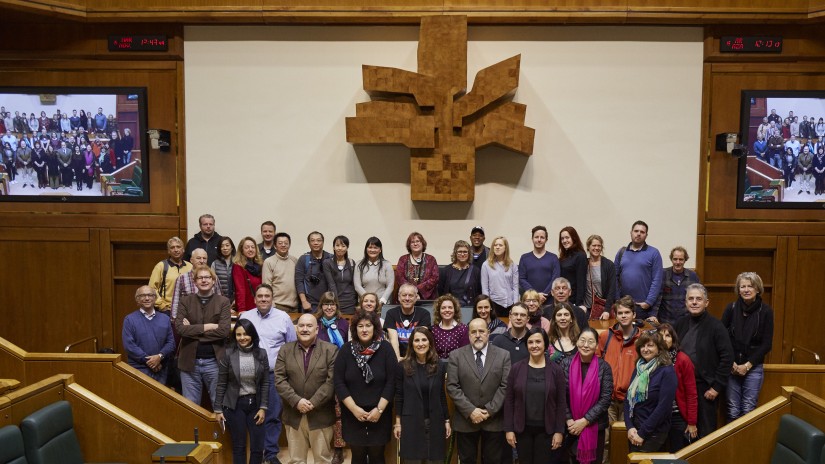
x=745, y=44
x=139, y=43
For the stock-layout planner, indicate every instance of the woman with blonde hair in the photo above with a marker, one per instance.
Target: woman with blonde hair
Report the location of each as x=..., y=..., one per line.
x=532, y=302
x=499, y=277
x=246, y=273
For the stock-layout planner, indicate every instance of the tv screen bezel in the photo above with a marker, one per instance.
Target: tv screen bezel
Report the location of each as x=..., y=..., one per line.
x=141, y=133
x=744, y=130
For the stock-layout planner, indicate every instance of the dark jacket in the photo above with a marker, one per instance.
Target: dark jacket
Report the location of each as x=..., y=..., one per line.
x=714, y=353
x=410, y=408
x=555, y=403
x=652, y=416
x=609, y=287
x=755, y=349
x=597, y=412
x=211, y=247
x=574, y=269
x=349, y=382
x=472, y=287
x=215, y=311
x=229, y=375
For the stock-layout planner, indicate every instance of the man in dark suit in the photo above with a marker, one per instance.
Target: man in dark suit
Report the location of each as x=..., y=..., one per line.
x=303, y=377
x=476, y=381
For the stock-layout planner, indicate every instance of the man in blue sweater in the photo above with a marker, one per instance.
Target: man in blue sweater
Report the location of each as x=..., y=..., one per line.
x=639, y=270
x=147, y=336
x=538, y=269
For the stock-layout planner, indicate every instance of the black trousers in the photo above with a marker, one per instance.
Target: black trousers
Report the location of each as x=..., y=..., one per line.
x=707, y=411
x=492, y=445
x=367, y=454
x=534, y=446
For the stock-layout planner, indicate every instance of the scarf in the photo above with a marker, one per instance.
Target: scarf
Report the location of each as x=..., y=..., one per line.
x=535, y=318
x=362, y=357
x=637, y=392
x=673, y=353
x=583, y=395
x=415, y=271
x=744, y=327
x=333, y=333
x=253, y=268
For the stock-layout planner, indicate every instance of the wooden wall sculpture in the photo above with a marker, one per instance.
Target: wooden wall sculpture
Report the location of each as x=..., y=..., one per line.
x=428, y=112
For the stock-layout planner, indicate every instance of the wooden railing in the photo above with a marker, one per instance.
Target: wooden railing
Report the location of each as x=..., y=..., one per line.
x=114, y=381
x=105, y=432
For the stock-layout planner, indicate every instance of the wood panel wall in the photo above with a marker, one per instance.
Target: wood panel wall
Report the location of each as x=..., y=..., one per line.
x=71, y=270
x=785, y=247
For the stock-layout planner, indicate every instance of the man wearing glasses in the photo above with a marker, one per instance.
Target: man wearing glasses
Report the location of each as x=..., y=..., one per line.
x=147, y=336
x=514, y=340
x=203, y=324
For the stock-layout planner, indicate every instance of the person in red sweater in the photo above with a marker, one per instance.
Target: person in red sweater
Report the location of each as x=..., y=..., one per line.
x=617, y=346
x=683, y=423
x=246, y=274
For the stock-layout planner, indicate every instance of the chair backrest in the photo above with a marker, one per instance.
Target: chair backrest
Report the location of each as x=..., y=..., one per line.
x=49, y=436
x=11, y=445
x=797, y=442
x=137, y=176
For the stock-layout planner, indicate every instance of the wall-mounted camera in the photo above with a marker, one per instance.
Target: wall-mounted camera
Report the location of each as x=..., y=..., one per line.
x=159, y=139
x=729, y=143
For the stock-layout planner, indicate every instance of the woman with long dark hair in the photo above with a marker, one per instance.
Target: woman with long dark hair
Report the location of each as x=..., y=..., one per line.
x=364, y=378
x=374, y=274
x=534, y=405
x=422, y=422
x=242, y=393
x=339, y=272
x=589, y=383
x=573, y=263
x=246, y=274
x=483, y=309
x=223, y=268
x=564, y=332
x=749, y=321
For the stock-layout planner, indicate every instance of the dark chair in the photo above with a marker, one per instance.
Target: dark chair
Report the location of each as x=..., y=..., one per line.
x=797, y=442
x=49, y=436
x=133, y=186
x=11, y=446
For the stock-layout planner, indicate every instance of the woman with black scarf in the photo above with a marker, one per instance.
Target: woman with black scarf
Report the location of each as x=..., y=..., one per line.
x=246, y=274
x=749, y=322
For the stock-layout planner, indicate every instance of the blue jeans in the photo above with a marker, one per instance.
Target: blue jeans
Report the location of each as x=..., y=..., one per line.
x=744, y=391
x=272, y=421
x=205, y=372
x=239, y=421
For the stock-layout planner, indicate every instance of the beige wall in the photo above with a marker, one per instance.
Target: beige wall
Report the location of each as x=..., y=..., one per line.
x=616, y=113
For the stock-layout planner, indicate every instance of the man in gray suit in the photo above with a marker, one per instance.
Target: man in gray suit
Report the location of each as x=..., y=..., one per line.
x=303, y=378
x=476, y=381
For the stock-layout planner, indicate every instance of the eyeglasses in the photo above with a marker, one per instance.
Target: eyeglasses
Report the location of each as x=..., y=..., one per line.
x=582, y=342
x=517, y=315
x=531, y=301
x=206, y=277
x=328, y=305
x=462, y=252
x=146, y=295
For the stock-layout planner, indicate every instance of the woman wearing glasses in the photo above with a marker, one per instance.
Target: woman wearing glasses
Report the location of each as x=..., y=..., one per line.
x=589, y=383
x=460, y=279
x=334, y=329
x=418, y=268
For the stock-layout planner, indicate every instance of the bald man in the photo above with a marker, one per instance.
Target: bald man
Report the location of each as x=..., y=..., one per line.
x=303, y=373
x=147, y=336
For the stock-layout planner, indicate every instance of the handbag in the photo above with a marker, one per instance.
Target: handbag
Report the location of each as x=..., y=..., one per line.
x=598, y=306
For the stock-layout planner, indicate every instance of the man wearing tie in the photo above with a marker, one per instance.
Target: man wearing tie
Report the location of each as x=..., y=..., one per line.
x=476, y=381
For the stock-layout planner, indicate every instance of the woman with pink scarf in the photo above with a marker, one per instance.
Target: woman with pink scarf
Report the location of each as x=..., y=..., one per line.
x=589, y=388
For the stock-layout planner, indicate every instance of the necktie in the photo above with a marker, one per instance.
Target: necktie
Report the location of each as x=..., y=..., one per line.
x=479, y=363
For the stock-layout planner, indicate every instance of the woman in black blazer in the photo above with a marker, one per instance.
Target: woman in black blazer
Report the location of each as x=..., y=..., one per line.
x=535, y=404
x=600, y=284
x=364, y=378
x=422, y=423
x=244, y=369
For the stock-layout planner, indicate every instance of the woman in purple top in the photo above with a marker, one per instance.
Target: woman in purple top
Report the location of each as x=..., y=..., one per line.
x=448, y=331
x=573, y=263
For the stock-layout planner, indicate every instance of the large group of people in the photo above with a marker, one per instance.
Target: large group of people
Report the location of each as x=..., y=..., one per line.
x=795, y=147
x=310, y=352
x=62, y=151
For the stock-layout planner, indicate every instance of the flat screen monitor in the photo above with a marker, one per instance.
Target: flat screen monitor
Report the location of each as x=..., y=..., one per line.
x=73, y=144
x=783, y=133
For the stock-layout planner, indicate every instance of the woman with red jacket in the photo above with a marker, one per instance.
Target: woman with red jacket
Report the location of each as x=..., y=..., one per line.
x=246, y=274
x=683, y=423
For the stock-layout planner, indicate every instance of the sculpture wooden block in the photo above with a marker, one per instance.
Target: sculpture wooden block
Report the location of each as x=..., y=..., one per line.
x=428, y=112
